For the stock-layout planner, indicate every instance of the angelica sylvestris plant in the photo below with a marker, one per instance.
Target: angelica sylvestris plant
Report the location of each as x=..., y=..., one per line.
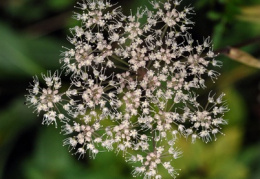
x=133, y=84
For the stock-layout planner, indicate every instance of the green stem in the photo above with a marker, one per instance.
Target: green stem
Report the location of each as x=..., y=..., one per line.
x=119, y=59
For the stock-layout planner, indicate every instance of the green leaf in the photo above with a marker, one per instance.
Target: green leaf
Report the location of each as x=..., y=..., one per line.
x=52, y=160
x=214, y=160
x=214, y=15
x=237, y=113
x=219, y=30
x=15, y=119
x=251, y=11
x=13, y=59
x=60, y=4
x=45, y=52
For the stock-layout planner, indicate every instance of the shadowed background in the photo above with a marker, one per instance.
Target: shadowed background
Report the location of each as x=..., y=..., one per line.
x=32, y=34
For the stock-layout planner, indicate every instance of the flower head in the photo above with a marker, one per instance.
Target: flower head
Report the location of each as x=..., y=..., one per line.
x=133, y=85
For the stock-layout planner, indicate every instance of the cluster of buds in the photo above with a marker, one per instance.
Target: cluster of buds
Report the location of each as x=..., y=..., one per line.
x=133, y=85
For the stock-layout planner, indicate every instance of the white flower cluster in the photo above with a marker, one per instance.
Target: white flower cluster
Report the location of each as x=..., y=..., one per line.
x=133, y=85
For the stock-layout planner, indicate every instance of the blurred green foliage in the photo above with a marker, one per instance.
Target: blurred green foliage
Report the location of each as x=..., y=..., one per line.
x=27, y=47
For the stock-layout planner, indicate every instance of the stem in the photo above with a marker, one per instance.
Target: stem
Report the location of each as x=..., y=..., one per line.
x=108, y=88
x=122, y=68
x=154, y=141
x=119, y=59
x=225, y=50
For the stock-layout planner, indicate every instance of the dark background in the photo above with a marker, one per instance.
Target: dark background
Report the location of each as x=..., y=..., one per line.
x=32, y=34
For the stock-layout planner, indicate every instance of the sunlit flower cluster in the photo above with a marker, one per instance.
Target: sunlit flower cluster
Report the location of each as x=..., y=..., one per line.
x=133, y=86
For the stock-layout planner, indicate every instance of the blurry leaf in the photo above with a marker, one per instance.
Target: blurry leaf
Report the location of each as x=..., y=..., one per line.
x=46, y=52
x=214, y=15
x=218, y=33
x=232, y=139
x=234, y=75
x=59, y=4
x=20, y=9
x=14, y=119
x=251, y=157
x=22, y=56
x=250, y=14
x=250, y=19
x=251, y=11
x=237, y=113
x=232, y=8
x=112, y=165
x=215, y=160
x=53, y=161
x=201, y=3
x=222, y=1
x=243, y=57
x=13, y=60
